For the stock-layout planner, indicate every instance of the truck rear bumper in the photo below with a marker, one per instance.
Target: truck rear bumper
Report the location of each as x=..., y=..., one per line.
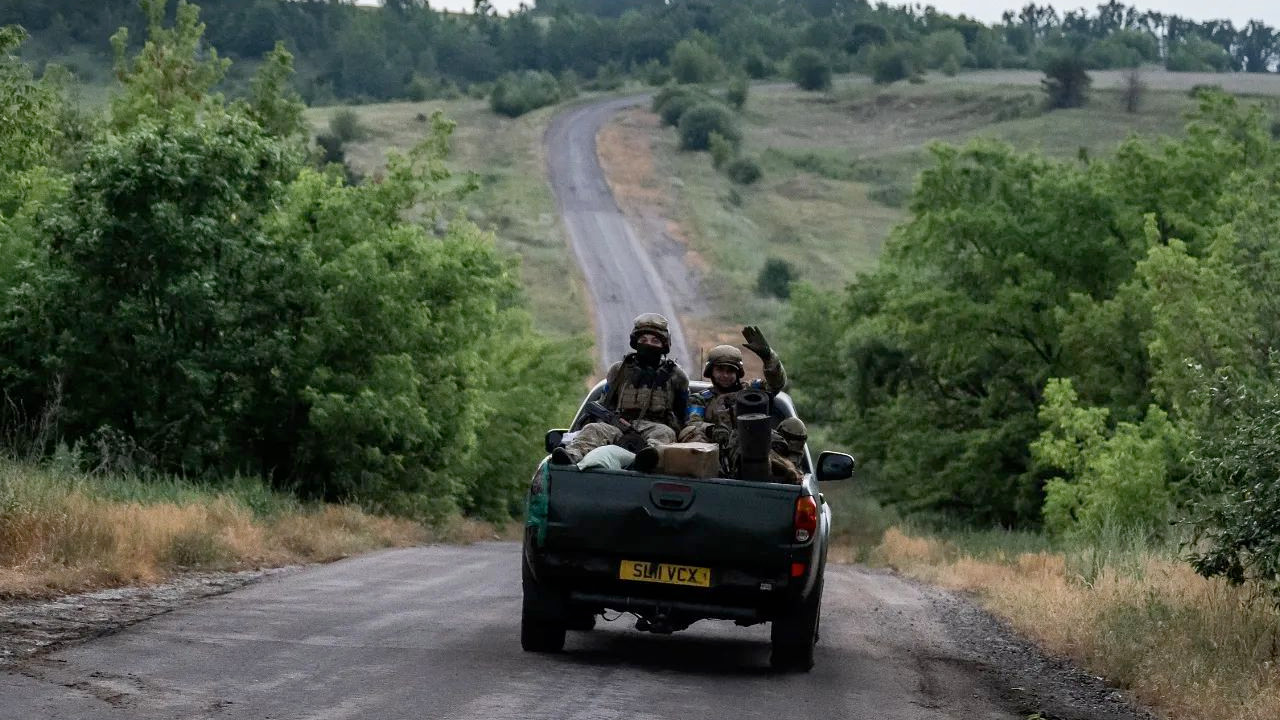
x=648, y=606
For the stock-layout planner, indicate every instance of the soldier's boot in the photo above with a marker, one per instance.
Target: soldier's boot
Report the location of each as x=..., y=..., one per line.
x=646, y=460
x=562, y=456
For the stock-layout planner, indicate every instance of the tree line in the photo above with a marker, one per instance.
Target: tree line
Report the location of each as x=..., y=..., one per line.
x=1087, y=346
x=185, y=289
x=405, y=49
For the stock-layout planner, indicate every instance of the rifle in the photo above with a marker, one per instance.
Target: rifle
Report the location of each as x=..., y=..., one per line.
x=631, y=438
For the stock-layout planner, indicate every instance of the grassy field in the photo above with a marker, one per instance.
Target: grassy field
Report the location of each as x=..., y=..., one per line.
x=839, y=167
x=1130, y=611
x=514, y=200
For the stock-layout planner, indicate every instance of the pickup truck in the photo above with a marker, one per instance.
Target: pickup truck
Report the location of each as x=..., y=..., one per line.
x=675, y=550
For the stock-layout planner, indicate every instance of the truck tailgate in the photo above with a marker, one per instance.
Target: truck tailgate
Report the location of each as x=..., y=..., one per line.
x=746, y=526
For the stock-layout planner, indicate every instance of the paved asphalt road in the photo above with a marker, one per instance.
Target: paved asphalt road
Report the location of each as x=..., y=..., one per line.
x=621, y=277
x=434, y=633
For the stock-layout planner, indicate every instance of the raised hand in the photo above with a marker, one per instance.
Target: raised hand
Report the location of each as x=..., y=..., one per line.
x=756, y=343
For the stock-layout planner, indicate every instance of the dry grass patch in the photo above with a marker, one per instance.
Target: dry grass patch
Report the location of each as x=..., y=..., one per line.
x=66, y=533
x=1187, y=646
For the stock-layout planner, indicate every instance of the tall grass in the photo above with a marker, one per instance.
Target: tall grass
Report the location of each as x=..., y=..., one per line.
x=63, y=531
x=1123, y=607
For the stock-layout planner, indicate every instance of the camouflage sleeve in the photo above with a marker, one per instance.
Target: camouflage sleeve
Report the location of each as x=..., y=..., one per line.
x=680, y=401
x=775, y=376
x=612, y=382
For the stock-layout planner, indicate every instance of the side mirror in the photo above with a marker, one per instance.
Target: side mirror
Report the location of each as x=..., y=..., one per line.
x=834, y=466
x=554, y=438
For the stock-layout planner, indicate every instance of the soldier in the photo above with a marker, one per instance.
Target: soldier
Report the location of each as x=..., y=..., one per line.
x=645, y=388
x=711, y=412
x=791, y=437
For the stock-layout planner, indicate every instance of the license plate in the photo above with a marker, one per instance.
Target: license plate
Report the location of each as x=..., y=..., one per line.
x=662, y=573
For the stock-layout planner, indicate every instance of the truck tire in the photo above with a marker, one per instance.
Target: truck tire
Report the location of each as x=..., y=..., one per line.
x=794, y=636
x=542, y=628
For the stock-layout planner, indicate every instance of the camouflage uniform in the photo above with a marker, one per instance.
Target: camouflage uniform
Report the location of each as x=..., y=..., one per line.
x=712, y=411
x=653, y=398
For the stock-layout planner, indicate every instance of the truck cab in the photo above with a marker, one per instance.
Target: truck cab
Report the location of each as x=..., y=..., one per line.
x=675, y=550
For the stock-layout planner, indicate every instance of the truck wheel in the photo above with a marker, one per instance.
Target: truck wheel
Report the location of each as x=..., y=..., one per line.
x=541, y=626
x=794, y=636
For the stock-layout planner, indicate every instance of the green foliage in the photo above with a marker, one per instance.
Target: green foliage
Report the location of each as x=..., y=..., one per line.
x=272, y=102
x=194, y=300
x=692, y=62
x=775, y=278
x=1237, y=520
x=809, y=69
x=1195, y=54
x=516, y=94
x=173, y=73
x=736, y=94
x=1118, y=478
x=699, y=122
x=943, y=46
x=950, y=67
x=1129, y=279
x=1065, y=83
x=345, y=125
x=891, y=63
x=671, y=102
x=744, y=170
x=722, y=150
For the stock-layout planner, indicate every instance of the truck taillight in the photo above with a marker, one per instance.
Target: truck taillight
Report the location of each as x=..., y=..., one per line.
x=806, y=518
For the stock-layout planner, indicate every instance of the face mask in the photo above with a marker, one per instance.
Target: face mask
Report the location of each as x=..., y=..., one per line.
x=648, y=355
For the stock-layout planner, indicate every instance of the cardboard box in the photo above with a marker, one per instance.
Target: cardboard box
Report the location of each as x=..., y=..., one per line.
x=694, y=459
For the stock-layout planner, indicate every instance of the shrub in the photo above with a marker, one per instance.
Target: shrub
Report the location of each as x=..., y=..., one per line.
x=693, y=63
x=744, y=171
x=737, y=93
x=775, y=278
x=758, y=66
x=809, y=69
x=699, y=122
x=345, y=125
x=655, y=73
x=516, y=94
x=891, y=63
x=722, y=151
x=950, y=67
x=674, y=104
x=1065, y=83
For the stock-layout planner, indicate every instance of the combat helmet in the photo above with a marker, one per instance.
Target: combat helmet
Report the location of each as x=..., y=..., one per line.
x=654, y=324
x=724, y=355
x=793, y=429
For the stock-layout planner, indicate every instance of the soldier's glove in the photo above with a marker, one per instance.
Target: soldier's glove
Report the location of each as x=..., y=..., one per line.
x=756, y=342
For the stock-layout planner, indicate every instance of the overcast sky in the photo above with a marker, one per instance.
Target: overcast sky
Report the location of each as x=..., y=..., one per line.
x=1239, y=11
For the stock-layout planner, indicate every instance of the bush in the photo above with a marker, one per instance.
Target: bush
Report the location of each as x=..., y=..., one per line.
x=736, y=95
x=1237, y=521
x=672, y=103
x=809, y=69
x=758, y=66
x=891, y=63
x=655, y=73
x=1065, y=83
x=950, y=67
x=516, y=94
x=699, y=122
x=345, y=125
x=775, y=278
x=722, y=151
x=744, y=171
x=693, y=63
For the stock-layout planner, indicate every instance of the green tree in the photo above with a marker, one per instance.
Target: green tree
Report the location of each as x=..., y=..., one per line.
x=699, y=122
x=692, y=62
x=809, y=69
x=1066, y=83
